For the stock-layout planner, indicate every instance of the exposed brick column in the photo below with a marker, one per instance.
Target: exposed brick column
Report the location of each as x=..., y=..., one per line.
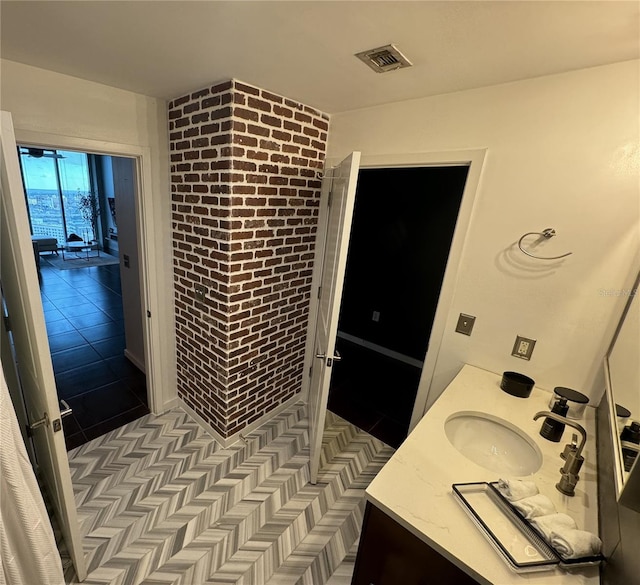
x=244, y=167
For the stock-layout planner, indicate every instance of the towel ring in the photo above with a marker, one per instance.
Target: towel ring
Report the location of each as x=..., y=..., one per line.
x=547, y=233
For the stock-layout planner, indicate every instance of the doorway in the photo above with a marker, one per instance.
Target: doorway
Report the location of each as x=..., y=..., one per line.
x=403, y=226
x=90, y=295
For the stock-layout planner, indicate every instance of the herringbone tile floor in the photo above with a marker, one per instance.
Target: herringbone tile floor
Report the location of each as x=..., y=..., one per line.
x=160, y=502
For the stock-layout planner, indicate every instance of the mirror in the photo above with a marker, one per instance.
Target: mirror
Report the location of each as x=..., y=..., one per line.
x=622, y=374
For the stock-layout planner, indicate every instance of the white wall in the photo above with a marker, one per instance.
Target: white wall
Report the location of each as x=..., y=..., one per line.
x=563, y=152
x=123, y=175
x=48, y=106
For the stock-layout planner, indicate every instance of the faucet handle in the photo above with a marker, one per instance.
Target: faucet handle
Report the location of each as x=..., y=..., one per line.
x=570, y=447
x=573, y=463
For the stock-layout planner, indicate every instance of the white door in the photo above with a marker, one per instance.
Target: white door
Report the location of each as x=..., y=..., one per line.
x=24, y=307
x=334, y=229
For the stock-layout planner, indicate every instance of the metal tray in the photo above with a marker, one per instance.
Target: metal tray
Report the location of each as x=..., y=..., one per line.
x=521, y=547
x=520, y=544
x=564, y=562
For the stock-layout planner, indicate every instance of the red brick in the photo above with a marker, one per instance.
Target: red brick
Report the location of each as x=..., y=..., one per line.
x=258, y=104
x=271, y=120
x=246, y=114
x=269, y=251
x=246, y=88
x=258, y=130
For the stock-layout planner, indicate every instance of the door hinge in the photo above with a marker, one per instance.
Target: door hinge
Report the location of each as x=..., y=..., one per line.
x=330, y=198
x=319, y=291
x=149, y=314
x=310, y=371
x=7, y=323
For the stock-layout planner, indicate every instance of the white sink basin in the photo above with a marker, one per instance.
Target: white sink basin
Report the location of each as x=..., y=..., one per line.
x=493, y=443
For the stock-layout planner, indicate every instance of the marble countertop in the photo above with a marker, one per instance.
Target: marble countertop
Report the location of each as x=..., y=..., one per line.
x=414, y=487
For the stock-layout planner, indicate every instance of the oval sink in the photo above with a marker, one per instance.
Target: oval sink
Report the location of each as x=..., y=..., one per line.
x=493, y=443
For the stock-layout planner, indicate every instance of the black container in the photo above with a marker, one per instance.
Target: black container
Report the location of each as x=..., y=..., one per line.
x=622, y=412
x=517, y=384
x=630, y=434
x=577, y=401
x=552, y=429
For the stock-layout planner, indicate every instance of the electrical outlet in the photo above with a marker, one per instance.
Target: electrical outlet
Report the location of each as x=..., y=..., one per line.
x=523, y=347
x=465, y=324
x=200, y=292
x=376, y=316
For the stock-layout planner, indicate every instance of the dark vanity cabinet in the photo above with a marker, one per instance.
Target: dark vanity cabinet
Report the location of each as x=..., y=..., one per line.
x=390, y=555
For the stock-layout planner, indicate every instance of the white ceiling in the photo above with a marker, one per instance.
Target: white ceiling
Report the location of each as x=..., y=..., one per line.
x=304, y=50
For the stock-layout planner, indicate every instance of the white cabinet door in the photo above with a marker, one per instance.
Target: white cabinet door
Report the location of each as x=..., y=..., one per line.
x=24, y=306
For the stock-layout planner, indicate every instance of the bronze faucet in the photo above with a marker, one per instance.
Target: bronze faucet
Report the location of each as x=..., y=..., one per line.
x=572, y=455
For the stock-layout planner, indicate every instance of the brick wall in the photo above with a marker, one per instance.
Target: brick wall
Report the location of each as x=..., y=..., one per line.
x=245, y=192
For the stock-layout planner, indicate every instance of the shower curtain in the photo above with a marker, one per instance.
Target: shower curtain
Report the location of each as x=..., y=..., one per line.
x=28, y=552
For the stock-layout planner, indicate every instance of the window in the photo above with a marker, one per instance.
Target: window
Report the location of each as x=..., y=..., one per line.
x=56, y=183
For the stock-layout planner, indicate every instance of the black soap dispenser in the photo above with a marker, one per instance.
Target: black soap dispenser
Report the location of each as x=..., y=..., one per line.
x=552, y=429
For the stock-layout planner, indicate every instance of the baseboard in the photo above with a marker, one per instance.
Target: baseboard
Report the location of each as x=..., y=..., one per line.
x=134, y=360
x=202, y=422
x=170, y=405
x=263, y=419
x=226, y=442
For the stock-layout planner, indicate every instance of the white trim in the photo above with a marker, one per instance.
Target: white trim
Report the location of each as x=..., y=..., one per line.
x=47, y=140
x=171, y=404
x=474, y=159
x=618, y=466
x=180, y=403
x=418, y=159
x=134, y=360
x=381, y=350
x=227, y=442
x=149, y=277
x=318, y=261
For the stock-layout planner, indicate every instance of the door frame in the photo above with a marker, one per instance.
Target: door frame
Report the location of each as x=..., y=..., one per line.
x=474, y=159
x=145, y=226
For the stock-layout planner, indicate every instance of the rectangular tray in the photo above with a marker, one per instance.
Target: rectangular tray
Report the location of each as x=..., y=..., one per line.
x=564, y=563
x=522, y=548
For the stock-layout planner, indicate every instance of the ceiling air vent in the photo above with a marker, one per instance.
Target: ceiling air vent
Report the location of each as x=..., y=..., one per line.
x=384, y=59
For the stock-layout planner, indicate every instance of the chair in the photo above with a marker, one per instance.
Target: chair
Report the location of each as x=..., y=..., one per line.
x=45, y=243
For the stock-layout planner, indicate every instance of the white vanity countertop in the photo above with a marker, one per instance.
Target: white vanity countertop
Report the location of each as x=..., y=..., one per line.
x=414, y=487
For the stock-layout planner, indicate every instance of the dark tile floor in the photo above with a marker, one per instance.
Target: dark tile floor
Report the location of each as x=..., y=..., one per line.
x=85, y=326
x=373, y=392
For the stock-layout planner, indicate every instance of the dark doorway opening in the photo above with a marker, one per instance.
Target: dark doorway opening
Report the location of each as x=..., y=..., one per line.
x=403, y=225
x=90, y=294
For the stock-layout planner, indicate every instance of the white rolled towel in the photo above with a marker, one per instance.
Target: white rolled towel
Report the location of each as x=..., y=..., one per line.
x=534, y=506
x=551, y=523
x=516, y=489
x=574, y=544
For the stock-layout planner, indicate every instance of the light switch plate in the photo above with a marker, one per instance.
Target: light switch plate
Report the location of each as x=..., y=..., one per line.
x=465, y=324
